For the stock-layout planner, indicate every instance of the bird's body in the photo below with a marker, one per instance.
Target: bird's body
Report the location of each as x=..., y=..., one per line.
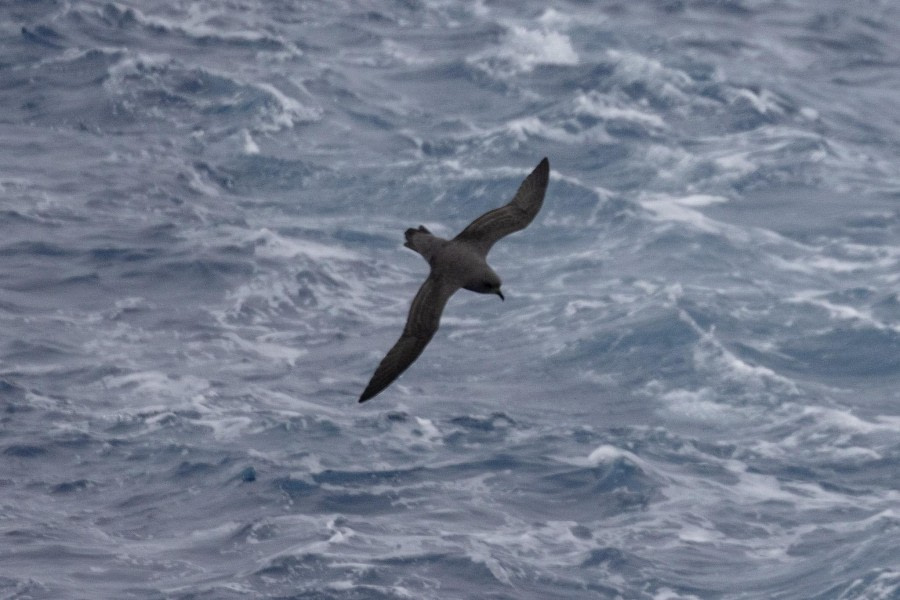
x=464, y=266
x=457, y=263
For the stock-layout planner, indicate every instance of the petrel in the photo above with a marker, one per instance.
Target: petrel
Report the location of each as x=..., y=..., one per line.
x=456, y=263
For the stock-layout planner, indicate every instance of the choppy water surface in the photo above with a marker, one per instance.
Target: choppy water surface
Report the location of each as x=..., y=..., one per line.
x=690, y=392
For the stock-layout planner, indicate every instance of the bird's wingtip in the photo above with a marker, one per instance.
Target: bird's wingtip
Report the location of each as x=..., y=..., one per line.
x=542, y=171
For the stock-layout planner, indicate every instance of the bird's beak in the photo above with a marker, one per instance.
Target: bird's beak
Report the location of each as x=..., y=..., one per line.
x=499, y=293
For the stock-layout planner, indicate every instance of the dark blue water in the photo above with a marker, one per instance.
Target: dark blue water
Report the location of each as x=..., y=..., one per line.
x=690, y=392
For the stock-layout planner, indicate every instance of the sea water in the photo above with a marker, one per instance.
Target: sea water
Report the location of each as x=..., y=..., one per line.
x=690, y=392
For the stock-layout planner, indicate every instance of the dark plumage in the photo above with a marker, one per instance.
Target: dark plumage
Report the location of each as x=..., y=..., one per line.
x=456, y=263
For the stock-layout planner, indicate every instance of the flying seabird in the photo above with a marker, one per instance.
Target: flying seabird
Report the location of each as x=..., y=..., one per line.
x=456, y=263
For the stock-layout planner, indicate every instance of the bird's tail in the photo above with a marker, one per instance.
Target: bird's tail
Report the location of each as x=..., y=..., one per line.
x=421, y=240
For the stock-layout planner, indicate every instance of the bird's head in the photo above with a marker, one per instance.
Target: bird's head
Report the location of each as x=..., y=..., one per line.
x=488, y=283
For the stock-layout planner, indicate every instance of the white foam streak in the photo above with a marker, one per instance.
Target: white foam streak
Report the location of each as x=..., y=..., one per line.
x=666, y=82
x=267, y=349
x=841, y=312
x=608, y=453
x=525, y=128
x=710, y=354
x=523, y=49
x=250, y=146
x=270, y=244
x=763, y=101
x=290, y=111
x=194, y=26
x=681, y=209
x=603, y=107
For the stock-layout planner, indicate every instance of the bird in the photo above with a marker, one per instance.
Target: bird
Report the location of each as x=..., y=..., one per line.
x=457, y=263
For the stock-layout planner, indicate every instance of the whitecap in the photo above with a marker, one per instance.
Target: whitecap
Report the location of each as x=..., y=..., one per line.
x=270, y=244
x=263, y=346
x=666, y=83
x=523, y=49
x=287, y=111
x=250, y=146
x=602, y=106
x=841, y=312
x=665, y=207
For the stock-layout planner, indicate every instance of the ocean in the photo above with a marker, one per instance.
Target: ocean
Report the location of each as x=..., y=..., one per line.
x=692, y=390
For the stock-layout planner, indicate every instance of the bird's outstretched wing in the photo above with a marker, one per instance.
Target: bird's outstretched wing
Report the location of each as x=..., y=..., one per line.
x=484, y=231
x=423, y=320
